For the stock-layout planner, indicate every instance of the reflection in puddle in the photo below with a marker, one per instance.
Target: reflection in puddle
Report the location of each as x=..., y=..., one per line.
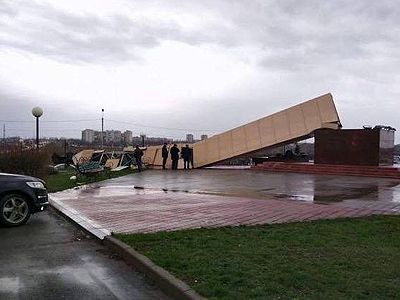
x=266, y=190
x=326, y=196
x=369, y=193
x=294, y=197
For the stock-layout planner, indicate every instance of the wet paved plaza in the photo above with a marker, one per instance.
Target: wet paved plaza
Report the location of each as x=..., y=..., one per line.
x=157, y=200
x=263, y=185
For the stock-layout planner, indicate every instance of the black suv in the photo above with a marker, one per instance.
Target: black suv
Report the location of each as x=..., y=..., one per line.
x=21, y=196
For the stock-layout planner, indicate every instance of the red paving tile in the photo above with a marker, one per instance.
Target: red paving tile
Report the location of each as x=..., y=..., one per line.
x=160, y=211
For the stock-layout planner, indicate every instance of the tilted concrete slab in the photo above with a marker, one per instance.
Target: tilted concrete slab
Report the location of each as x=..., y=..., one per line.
x=294, y=123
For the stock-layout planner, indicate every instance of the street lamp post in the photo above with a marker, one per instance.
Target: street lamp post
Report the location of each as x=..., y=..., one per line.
x=102, y=127
x=37, y=112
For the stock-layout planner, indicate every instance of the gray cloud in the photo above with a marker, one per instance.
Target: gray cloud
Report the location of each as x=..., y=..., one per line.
x=333, y=33
x=290, y=35
x=75, y=38
x=6, y=9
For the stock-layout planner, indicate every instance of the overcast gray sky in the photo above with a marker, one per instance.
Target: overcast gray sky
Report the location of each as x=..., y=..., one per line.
x=167, y=68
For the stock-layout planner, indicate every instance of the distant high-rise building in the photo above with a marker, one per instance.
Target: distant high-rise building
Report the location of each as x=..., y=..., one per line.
x=109, y=136
x=128, y=137
x=118, y=137
x=97, y=136
x=88, y=135
x=204, y=137
x=113, y=136
x=189, y=138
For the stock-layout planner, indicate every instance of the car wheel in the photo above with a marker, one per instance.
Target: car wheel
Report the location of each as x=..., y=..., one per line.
x=14, y=210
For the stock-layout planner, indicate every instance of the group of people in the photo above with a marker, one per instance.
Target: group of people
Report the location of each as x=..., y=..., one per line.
x=186, y=153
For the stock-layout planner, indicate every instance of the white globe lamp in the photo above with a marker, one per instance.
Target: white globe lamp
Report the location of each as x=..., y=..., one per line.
x=37, y=112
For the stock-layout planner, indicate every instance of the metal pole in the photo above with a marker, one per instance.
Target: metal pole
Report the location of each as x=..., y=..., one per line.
x=102, y=128
x=4, y=136
x=37, y=133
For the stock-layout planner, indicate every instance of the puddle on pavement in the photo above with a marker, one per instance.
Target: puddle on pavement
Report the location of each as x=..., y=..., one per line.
x=294, y=197
x=326, y=196
x=266, y=190
x=362, y=193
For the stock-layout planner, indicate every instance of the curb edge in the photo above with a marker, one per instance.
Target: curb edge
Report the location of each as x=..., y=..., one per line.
x=168, y=283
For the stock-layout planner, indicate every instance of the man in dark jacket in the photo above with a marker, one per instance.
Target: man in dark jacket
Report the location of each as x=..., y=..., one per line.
x=174, y=156
x=164, y=153
x=185, y=152
x=137, y=154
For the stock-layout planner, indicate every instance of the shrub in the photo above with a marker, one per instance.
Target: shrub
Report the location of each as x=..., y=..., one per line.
x=28, y=162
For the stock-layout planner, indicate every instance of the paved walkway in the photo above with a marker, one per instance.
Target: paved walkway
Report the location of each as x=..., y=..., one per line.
x=115, y=206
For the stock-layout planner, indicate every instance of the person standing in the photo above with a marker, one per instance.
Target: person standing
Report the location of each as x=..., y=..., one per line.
x=137, y=154
x=164, y=154
x=186, y=156
x=174, y=151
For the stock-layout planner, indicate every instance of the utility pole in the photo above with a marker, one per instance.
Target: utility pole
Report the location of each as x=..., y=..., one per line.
x=102, y=128
x=4, y=136
x=143, y=136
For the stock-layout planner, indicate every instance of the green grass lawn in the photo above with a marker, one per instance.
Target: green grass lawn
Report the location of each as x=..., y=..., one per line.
x=332, y=259
x=61, y=180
